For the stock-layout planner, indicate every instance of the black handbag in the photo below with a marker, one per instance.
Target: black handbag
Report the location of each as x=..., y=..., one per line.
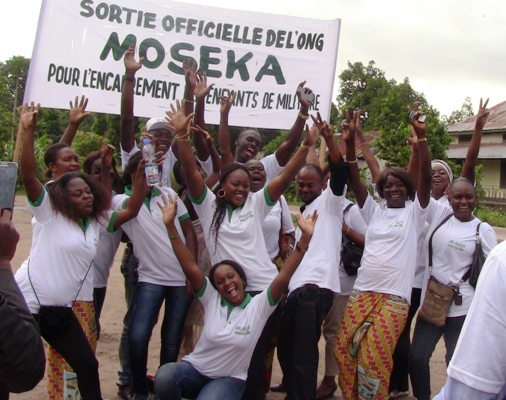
x=478, y=260
x=351, y=254
x=54, y=319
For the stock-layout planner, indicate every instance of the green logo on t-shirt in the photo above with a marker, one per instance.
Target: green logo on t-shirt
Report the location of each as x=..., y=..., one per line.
x=244, y=217
x=245, y=330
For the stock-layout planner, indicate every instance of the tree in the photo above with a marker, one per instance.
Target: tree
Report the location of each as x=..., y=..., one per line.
x=466, y=111
x=15, y=70
x=384, y=104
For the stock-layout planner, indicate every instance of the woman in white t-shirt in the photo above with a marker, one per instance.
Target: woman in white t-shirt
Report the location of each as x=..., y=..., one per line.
x=70, y=213
x=453, y=245
x=378, y=305
x=233, y=320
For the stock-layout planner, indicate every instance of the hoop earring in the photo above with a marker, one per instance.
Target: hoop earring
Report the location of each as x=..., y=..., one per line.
x=221, y=193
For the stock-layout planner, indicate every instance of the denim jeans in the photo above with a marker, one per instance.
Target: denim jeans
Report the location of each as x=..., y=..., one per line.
x=129, y=265
x=300, y=331
x=425, y=339
x=176, y=380
x=148, y=299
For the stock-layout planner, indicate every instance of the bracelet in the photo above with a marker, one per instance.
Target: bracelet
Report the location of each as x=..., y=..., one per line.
x=189, y=101
x=172, y=237
x=182, y=137
x=422, y=140
x=352, y=161
x=303, y=146
x=303, y=116
x=297, y=247
x=130, y=78
x=289, y=245
x=347, y=231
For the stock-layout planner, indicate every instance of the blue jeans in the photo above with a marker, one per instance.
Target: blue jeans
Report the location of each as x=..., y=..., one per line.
x=129, y=265
x=300, y=331
x=148, y=299
x=176, y=380
x=424, y=342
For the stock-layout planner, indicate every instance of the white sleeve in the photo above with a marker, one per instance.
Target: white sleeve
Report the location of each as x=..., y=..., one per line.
x=488, y=238
x=125, y=155
x=207, y=165
x=287, y=221
x=271, y=166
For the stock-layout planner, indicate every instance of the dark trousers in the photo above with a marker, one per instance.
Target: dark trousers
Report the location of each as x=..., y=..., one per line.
x=299, y=333
x=98, y=303
x=399, y=379
x=425, y=339
x=260, y=368
x=76, y=350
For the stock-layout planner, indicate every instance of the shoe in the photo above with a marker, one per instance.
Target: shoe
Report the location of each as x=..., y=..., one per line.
x=325, y=391
x=125, y=391
x=151, y=383
x=279, y=388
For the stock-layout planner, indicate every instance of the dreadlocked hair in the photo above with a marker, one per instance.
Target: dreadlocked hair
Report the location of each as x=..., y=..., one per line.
x=221, y=204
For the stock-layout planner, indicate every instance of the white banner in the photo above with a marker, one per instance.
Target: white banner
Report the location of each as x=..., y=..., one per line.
x=80, y=46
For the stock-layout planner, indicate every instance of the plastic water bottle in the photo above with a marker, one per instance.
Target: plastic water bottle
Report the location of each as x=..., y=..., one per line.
x=151, y=169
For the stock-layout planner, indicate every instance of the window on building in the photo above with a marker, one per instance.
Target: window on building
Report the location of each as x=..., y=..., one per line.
x=465, y=138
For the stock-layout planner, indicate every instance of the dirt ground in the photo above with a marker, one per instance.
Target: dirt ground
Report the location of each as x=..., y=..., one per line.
x=111, y=322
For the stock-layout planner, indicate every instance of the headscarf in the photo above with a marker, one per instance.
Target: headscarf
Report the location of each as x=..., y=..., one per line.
x=445, y=166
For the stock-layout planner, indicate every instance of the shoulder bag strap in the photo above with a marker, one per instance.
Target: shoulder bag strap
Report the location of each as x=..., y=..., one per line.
x=430, y=239
x=465, y=277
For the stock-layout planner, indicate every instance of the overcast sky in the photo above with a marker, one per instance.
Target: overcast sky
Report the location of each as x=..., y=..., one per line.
x=449, y=49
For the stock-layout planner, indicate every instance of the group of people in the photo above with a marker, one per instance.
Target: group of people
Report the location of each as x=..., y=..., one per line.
x=256, y=281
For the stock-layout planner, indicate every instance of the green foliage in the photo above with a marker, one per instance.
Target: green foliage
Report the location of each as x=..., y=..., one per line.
x=86, y=142
x=466, y=111
x=491, y=216
x=384, y=105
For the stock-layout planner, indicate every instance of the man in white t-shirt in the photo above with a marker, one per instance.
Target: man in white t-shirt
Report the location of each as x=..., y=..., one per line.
x=313, y=285
x=477, y=370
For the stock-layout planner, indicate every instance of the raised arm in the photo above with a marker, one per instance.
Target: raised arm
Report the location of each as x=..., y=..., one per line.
x=201, y=91
x=468, y=170
x=227, y=102
x=127, y=128
x=184, y=256
x=180, y=123
x=136, y=199
x=279, y=285
x=284, y=152
x=214, y=177
x=77, y=114
x=280, y=183
x=27, y=123
x=369, y=157
x=349, y=129
x=425, y=173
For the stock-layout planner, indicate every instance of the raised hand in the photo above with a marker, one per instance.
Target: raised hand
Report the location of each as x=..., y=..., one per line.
x=169, y=208
x=28, y=115
x=307, y=224
x=201, y=88
x=419, y=124
x=483, y=113
x=77, y=111
x=177, y=120
x=227, y=101
x=106, y=153
x=132, y=66
x=305, y=104
x=190, y=72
